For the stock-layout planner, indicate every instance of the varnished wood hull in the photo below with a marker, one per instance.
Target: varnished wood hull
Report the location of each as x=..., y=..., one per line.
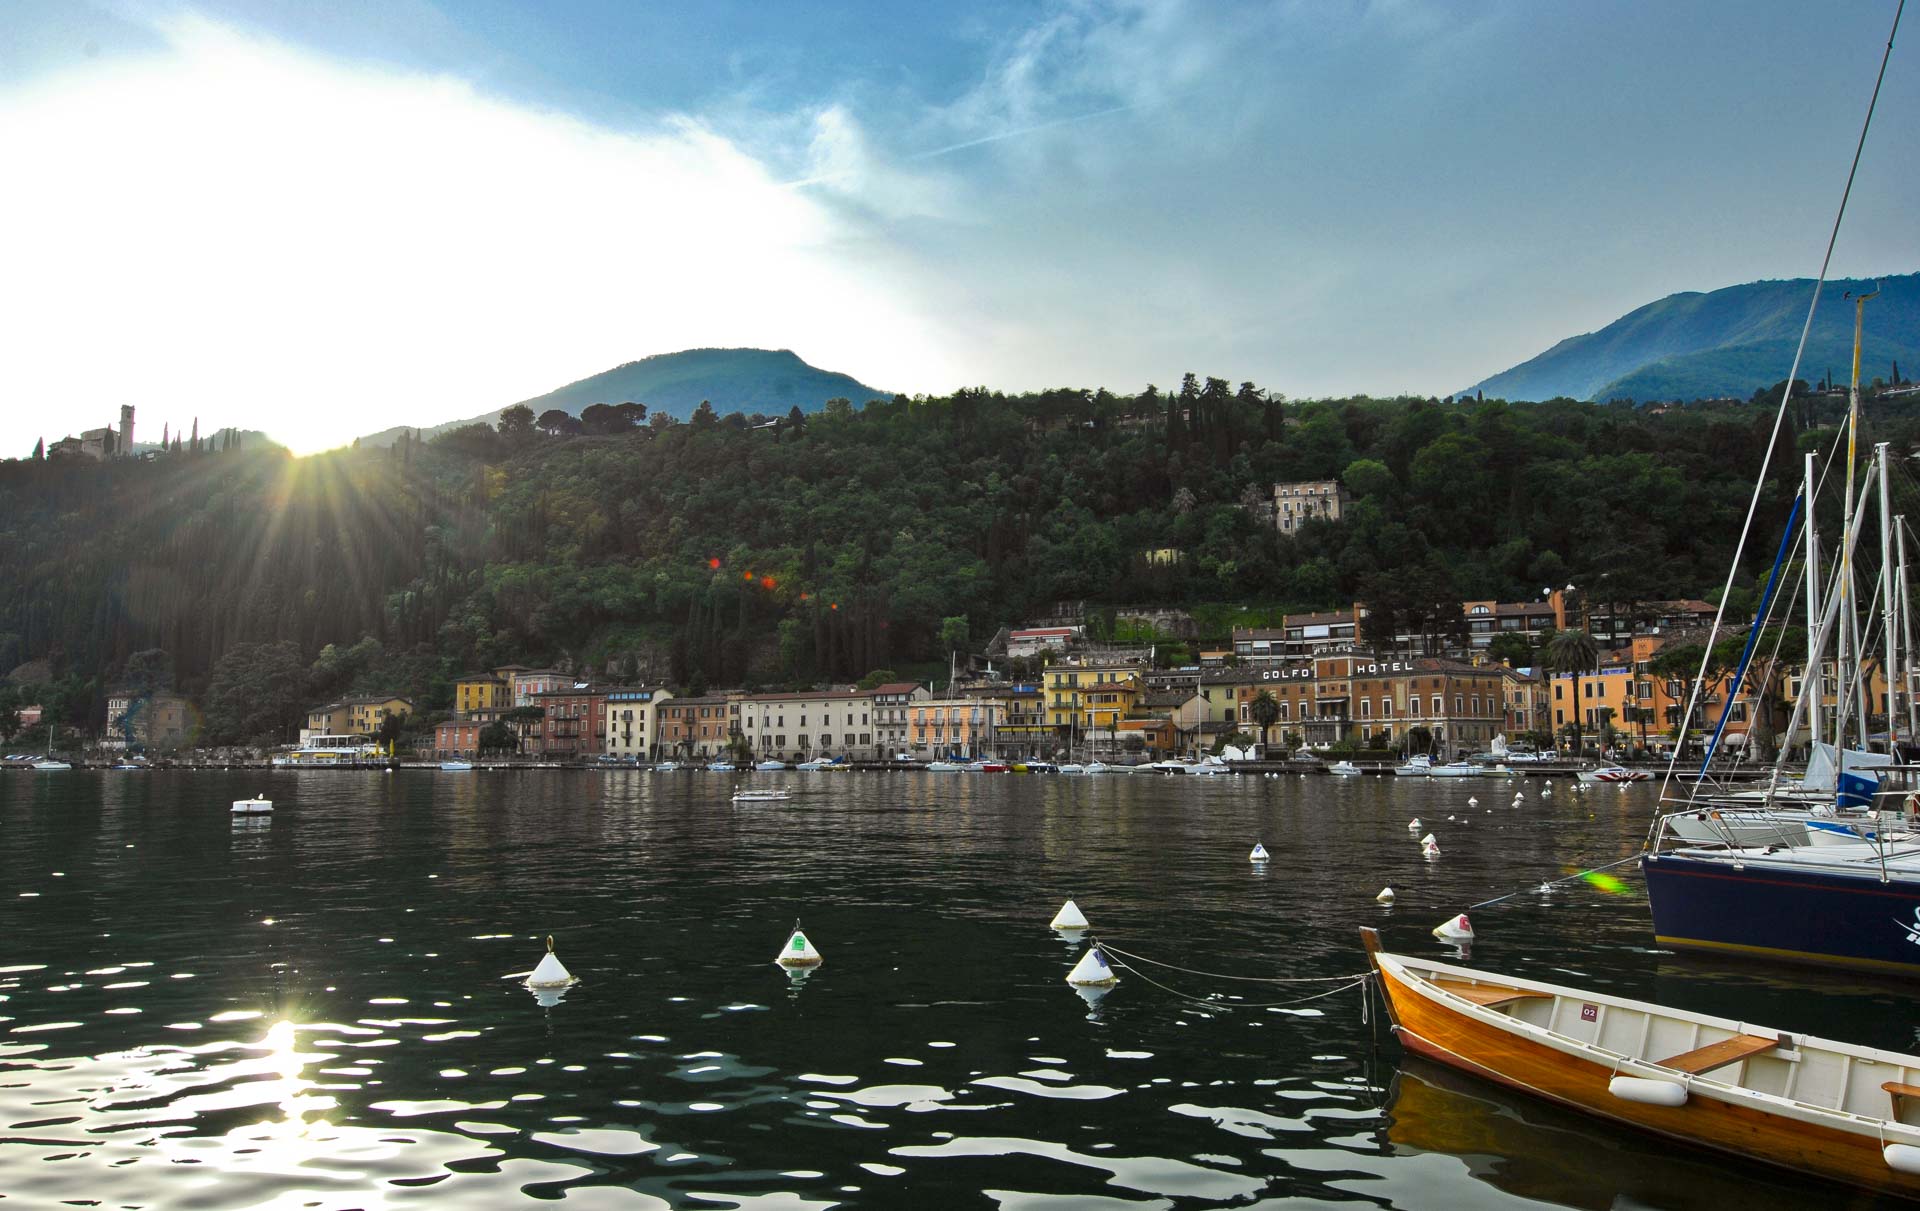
x=1429, y=1027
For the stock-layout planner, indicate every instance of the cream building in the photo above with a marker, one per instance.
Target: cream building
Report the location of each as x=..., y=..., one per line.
x=633, y=722
x=808, y=724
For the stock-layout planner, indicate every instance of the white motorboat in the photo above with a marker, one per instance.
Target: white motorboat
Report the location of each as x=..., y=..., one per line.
x=1417, y=766
x=669, y=767
x=721, y=767
x=1098, y=767
x=768, y=767
x=1455, y=769
x=945, y=767
x=254, y=806
x=48, y=763
x=1208, y=768
x=1071, y=768
x=815, y=765
x=1614, y=773
x=761, y=796
x=456, y=766
x=1345, y=769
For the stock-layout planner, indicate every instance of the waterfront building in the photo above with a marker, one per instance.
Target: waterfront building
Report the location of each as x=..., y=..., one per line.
x=457, y=738
x=892, y=729
x=809, y=724
x=954, y=727
x=1294, y=504
x=574, y=725
x=154, y=721
x=1353, y=696
x=694, y=727
x=1067, y=685
x=1022, y=717
x=1524, y=692
x=633, y=722
x=354, y=715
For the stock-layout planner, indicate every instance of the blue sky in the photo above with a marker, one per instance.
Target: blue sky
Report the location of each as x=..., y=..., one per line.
x=324, y=219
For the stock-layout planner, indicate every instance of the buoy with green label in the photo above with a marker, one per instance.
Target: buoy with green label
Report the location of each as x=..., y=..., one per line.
x=799, y=951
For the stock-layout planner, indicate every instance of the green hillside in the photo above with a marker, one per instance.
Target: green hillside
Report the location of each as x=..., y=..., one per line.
x=715, y=553
x=1726, y=343
x=766, y=381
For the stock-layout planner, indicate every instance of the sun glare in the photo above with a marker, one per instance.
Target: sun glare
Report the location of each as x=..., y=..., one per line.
x=234, y=231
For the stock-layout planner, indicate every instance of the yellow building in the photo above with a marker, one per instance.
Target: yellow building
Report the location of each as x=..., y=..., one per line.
x=366, y=711
x=1069, y=688
x=478, y=692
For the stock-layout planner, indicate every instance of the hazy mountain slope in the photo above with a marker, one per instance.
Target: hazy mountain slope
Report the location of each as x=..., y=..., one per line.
x=1727, y=342
x=733, y=380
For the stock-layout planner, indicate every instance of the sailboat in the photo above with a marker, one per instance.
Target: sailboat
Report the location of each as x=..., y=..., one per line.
x=1852, y=898
x=49, y=762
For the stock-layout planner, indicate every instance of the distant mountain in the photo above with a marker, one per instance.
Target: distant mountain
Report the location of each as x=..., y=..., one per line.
x=1728, y=342
x=733, y=380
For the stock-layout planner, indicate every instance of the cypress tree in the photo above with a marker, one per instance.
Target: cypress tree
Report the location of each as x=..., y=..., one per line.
x=40, y=450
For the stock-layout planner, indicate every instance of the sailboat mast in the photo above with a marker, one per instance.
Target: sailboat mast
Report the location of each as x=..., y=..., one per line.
x=1886, y=596
x=1813, y=602
x=1906, y=629
x=1850, y=617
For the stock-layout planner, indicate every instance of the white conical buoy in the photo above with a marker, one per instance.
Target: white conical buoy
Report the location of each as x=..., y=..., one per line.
x=1428, y=840
x=1069, y=917
x=798, y=952
x=1414, y=825
x=550, y=972
x=1429, y=848
x=1473, y=801
x=1454, y=929
x=1259, y=853
x=1092, y=971
x=1385, y=896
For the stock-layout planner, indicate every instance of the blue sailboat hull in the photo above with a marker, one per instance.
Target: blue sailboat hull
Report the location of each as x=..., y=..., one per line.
x=1796, y=915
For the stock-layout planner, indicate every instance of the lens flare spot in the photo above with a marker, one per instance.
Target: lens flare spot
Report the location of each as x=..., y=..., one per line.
x=1605, y=882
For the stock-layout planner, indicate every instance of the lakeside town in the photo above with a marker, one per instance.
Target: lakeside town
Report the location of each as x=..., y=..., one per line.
x=1610, y=686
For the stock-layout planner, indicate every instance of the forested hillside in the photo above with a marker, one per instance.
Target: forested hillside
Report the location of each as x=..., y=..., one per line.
x=712, y=553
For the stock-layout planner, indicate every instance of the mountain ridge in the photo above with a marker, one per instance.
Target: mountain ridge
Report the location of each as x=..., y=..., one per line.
x=740, y=379
x=1719, y=343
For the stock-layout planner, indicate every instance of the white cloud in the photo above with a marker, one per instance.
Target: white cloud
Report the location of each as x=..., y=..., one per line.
x=235, y=230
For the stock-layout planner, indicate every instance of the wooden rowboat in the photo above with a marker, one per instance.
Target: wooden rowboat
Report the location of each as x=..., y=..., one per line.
x=1831, y=1109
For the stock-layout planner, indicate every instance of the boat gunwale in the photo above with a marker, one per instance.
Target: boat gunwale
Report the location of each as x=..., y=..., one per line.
x=1408, y=971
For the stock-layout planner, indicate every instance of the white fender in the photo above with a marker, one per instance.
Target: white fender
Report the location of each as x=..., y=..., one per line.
x=1648, y=1092
x=1902, y=1158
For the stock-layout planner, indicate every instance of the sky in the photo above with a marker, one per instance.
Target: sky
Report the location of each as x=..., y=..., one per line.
x=321, y=219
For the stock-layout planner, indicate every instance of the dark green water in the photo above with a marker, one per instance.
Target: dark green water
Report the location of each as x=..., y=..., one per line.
x=151, y=947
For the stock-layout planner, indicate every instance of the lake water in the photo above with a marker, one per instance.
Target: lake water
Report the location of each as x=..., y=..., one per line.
x=317, y=1009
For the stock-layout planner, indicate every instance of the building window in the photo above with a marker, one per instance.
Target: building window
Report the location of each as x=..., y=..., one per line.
x=1439, y=706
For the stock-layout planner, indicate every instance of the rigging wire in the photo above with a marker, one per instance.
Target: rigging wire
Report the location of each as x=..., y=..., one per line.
x=1786, y=393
